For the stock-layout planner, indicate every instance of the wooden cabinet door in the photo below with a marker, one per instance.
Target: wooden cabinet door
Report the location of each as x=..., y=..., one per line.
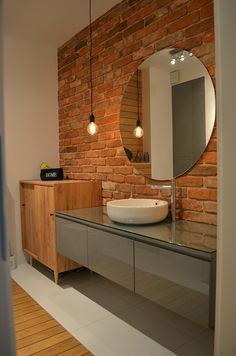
x=28, y=208
x=45, y=225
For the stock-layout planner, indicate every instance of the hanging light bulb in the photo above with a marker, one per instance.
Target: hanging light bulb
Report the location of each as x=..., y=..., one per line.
x=92, y=128
x=138, y=131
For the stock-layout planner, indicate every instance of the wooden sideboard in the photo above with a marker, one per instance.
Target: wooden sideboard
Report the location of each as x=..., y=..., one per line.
x=39, y=201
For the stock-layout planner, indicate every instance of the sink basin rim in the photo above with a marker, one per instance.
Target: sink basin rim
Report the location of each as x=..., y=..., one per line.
x=137, y=211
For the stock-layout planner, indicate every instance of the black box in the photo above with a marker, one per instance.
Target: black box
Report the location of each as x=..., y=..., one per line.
x=51, y=174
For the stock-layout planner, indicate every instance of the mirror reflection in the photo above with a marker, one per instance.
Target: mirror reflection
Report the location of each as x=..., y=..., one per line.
x=171, y=97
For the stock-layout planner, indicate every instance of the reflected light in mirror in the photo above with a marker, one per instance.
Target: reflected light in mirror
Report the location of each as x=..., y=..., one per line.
x=138, y=131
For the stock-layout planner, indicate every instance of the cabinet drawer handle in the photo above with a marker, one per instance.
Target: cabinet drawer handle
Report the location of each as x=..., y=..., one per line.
x=51, y=214
x=22, y=204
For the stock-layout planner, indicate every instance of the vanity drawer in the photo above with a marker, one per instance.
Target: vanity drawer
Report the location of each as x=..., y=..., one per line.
x=72, y=240
x=111, y=256
x=178, y=282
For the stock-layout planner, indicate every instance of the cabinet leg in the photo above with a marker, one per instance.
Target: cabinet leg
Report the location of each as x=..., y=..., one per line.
x=31, y=260
x=56, y=277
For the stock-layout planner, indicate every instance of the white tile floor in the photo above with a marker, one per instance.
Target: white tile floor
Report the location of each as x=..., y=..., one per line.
x=99, y=330
x=110, y=320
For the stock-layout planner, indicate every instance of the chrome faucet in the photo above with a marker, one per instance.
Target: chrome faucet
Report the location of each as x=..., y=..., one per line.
x=171, y=186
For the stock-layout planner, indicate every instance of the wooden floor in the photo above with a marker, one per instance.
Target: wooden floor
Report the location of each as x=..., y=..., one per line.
x=37, y=333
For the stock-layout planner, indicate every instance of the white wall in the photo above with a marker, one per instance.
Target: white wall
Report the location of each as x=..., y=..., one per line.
x=225, y=340
x=193, y=69
x=161, y=124
x=31, y=126
x=146, y=110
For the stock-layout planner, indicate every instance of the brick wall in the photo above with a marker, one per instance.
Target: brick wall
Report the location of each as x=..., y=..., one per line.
x=122, y=39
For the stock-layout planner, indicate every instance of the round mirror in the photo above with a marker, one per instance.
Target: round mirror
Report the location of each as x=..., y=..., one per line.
x=170, y=99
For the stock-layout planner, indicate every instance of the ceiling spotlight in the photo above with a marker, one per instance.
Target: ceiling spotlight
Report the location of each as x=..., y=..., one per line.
x=182, y=57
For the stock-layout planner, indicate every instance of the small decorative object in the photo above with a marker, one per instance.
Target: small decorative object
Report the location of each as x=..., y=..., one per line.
x=51, y=174
x=44, y=165
x=128, y=153
x=146, y=157
x=138, y=157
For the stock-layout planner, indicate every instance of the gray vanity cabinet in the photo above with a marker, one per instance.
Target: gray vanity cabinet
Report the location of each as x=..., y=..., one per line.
x=111, y=256
x=72, y=240
x=176, y=281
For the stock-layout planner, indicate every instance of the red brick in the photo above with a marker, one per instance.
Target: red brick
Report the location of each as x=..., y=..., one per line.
x=188, y=181
x=119, y=178
x=106, y=194
x=211, y=182
x=114, y=143
x=140, y=15
x=210, y=157
x=98, y=161
x=202, y=194
x=88, y=169
x=134, y=28
x=111, y=152
x=199, y=217
x=153, y=38
x=117, y=195
x=92, y=154
x=172, y=16
x=197, y=4
x=115, y=161
x=184, y=22
x=199, y=27
x=125, y=188
x=204, y=170
x=135, y=179
x=108, y=185
x=177, y=3
x=123, y=170
x=114, y=92
x=191, y=43
x=146, y=52
x=191, y=204
x=207, y=11
x=170, y=40
x=212, y=146
x=208, y=36
x=210, y=207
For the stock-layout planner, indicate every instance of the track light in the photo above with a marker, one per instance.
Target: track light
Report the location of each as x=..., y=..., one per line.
x=179, y=55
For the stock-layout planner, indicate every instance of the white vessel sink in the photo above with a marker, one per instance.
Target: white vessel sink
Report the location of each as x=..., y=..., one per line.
x=137, y=211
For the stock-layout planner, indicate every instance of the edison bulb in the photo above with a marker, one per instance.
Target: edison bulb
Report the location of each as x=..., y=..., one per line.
x=138, y=132
x=172, y=61
x=92, y=128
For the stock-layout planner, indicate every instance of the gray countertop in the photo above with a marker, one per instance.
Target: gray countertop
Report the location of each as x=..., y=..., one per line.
x=181, y=234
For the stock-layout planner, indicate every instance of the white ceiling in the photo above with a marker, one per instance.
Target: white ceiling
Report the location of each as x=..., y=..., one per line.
x=50, y=22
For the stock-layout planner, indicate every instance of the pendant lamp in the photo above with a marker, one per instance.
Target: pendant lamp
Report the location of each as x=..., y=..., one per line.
x=92, y=127
x=138, y=131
